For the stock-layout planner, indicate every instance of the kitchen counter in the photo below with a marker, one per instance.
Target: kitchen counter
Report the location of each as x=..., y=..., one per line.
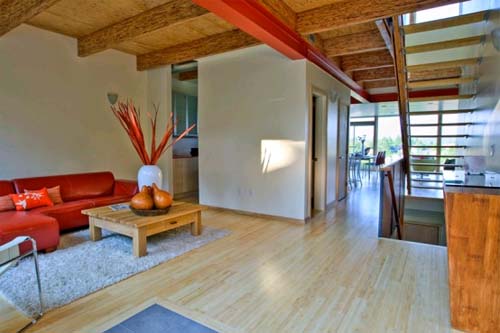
x=473, y=229
x=479, y=181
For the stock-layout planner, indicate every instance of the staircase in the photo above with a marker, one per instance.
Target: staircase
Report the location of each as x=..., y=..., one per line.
x=440, y=55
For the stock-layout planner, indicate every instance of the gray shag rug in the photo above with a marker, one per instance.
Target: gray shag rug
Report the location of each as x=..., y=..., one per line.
x=80, y=267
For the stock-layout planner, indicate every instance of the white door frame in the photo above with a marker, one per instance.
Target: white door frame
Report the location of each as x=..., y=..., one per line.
x=347, y=106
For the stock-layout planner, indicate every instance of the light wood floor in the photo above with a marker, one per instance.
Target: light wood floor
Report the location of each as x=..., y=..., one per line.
x=332, y=275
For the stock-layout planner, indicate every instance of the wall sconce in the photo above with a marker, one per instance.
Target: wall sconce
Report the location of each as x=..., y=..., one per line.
x=334, y=96
x=112, y=98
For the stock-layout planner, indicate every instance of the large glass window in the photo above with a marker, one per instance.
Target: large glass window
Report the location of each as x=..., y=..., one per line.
x=361, y=135
x=389, y=137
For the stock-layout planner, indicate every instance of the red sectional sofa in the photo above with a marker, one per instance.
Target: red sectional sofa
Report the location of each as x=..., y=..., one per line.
x=78, y=191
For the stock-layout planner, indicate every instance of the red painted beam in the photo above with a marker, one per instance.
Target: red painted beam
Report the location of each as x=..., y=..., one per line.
x=254, y=19
x=392, y=97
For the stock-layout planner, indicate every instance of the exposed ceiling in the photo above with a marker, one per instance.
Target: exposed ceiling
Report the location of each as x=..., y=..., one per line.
x=350, y=33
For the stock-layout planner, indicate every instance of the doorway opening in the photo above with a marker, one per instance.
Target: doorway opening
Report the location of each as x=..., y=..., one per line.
x=317, y=156
x=185, y=112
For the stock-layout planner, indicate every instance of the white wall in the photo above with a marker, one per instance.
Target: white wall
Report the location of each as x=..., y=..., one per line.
x=54, y=113
x=252, y=132
x=159, y=93
x=320, y=80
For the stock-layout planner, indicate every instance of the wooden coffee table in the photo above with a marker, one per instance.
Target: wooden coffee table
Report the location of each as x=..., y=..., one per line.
x=125, y=222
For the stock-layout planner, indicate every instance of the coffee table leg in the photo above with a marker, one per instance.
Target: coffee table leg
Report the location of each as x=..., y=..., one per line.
x=139, y=243
x=95, y=231
x=196, y=225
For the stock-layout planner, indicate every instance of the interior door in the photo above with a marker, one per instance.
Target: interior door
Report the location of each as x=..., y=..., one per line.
x=342, y=151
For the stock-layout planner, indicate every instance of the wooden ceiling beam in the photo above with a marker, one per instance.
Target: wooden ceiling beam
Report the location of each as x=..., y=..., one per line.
x=350, y=12
x=256, y=20
x=281, y=10
x=216, y=44
x=354, y=43
x=189, y=75
x=374, y=74
x=387, y=83
x=170, y=13
x=386, y=34
x=15, y=12
x=369, y=60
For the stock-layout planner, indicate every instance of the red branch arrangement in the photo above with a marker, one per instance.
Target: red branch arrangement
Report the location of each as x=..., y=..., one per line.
x=130, y=119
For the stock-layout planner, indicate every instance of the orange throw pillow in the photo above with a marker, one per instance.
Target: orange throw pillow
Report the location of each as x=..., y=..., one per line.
x=32, y=199
x=54, y=194
x=6, y=203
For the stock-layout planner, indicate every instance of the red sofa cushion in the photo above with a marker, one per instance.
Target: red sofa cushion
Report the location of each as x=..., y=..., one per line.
x=31, y=199
x=111, y=200
x=68, y=214
x=73, y=187
x=6, y=187
x=44, y=229
x=125, y=187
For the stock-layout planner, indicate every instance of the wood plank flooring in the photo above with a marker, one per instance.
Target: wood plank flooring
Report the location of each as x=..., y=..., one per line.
x=11, y=320
x=331, y=275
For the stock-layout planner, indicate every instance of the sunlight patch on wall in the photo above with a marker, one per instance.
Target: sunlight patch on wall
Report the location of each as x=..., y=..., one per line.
x=278, y=154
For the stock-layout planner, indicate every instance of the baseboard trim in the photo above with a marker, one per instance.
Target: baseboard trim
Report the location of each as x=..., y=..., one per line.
x=265, y=216
x=331, y=205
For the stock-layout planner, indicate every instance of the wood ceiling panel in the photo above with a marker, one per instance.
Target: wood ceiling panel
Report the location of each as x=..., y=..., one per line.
x=210, y=24
x=380, y=84
x=77, y=18
x=368, y=60
x=301, y=5
x=135, y=48
x=201, y=27
x=354, y=29
x=355, y=43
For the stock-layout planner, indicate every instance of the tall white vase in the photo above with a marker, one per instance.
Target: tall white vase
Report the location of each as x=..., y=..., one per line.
x=149, y=174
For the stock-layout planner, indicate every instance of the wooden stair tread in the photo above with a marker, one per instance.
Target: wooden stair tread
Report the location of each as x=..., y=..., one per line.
x=446, y=23
x=424, y=216
x=444, y=45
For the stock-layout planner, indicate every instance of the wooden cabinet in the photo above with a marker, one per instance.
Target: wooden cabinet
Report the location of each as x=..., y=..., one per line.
x=473, y=230
x=185, y=175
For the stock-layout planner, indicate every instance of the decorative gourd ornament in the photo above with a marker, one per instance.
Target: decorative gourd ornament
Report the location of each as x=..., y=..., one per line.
x=142, y=200
x=162, y=199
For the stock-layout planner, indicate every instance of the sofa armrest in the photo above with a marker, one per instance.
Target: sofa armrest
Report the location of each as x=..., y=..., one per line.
x=125, y=187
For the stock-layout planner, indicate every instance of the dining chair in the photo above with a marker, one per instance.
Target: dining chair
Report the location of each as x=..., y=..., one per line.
x=377, y=163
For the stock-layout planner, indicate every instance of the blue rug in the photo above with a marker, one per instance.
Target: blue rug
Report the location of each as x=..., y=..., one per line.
x=157, y=319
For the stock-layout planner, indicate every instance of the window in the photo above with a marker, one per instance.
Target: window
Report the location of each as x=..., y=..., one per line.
x=389, y=136
x=361, y=135
x=447, y=11
x=185, y=108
